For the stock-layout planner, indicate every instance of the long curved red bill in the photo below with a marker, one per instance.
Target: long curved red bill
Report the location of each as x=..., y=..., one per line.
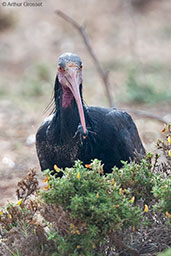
x=76, y=92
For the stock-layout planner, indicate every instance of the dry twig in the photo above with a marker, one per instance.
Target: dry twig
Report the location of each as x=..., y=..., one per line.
x=121, y=246
x=27, y=186
x=147, y=115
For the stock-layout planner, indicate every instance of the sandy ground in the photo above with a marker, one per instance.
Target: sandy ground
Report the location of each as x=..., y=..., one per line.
x=123, y=36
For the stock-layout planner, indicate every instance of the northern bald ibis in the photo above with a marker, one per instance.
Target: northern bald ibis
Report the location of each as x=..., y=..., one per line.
x=75, y=131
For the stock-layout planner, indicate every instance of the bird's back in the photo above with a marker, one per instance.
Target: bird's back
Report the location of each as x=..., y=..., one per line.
x=116, y=136
x=112, y=137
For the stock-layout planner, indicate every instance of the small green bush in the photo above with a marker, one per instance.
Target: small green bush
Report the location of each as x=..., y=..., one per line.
x=138, y=178
x=95, y=202
x=144, y=92
x=162, y=191
x=165, y=253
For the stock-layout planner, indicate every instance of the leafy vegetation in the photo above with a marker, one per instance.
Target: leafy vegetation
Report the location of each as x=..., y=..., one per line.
x=166, y=253
x=88, y=213
x=96, y=206
x=144, y=92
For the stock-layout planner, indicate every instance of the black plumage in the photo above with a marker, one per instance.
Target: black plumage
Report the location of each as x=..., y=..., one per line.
x=75, y=131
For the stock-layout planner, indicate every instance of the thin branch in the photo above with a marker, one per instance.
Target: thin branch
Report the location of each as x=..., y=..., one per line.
x=147, y=115
x=121, y=246
x=85, y=38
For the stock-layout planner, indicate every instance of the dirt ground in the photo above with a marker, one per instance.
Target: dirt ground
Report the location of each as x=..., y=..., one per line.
x=124, y=35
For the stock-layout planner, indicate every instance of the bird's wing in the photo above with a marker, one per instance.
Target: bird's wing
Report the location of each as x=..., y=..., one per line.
x=126, y=132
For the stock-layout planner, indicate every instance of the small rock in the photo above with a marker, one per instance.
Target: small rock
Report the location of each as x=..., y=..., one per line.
x=30, y=139
x=7, y=161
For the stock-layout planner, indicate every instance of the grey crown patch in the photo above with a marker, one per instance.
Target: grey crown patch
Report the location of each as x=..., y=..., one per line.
x=69, y=57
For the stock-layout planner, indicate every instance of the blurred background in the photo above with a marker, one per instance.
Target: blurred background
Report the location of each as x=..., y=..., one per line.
x=132, y=41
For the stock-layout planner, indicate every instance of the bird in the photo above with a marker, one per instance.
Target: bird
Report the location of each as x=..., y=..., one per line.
x=75, y=131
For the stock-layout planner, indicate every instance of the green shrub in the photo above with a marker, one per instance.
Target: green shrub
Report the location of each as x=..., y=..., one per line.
x=138, y=178
x=162, y=191
x=165, y=253
x=96, y=205
x=144, y=91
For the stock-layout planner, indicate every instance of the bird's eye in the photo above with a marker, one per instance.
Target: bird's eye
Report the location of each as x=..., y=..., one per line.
x=60, y=68
x=81, y=66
